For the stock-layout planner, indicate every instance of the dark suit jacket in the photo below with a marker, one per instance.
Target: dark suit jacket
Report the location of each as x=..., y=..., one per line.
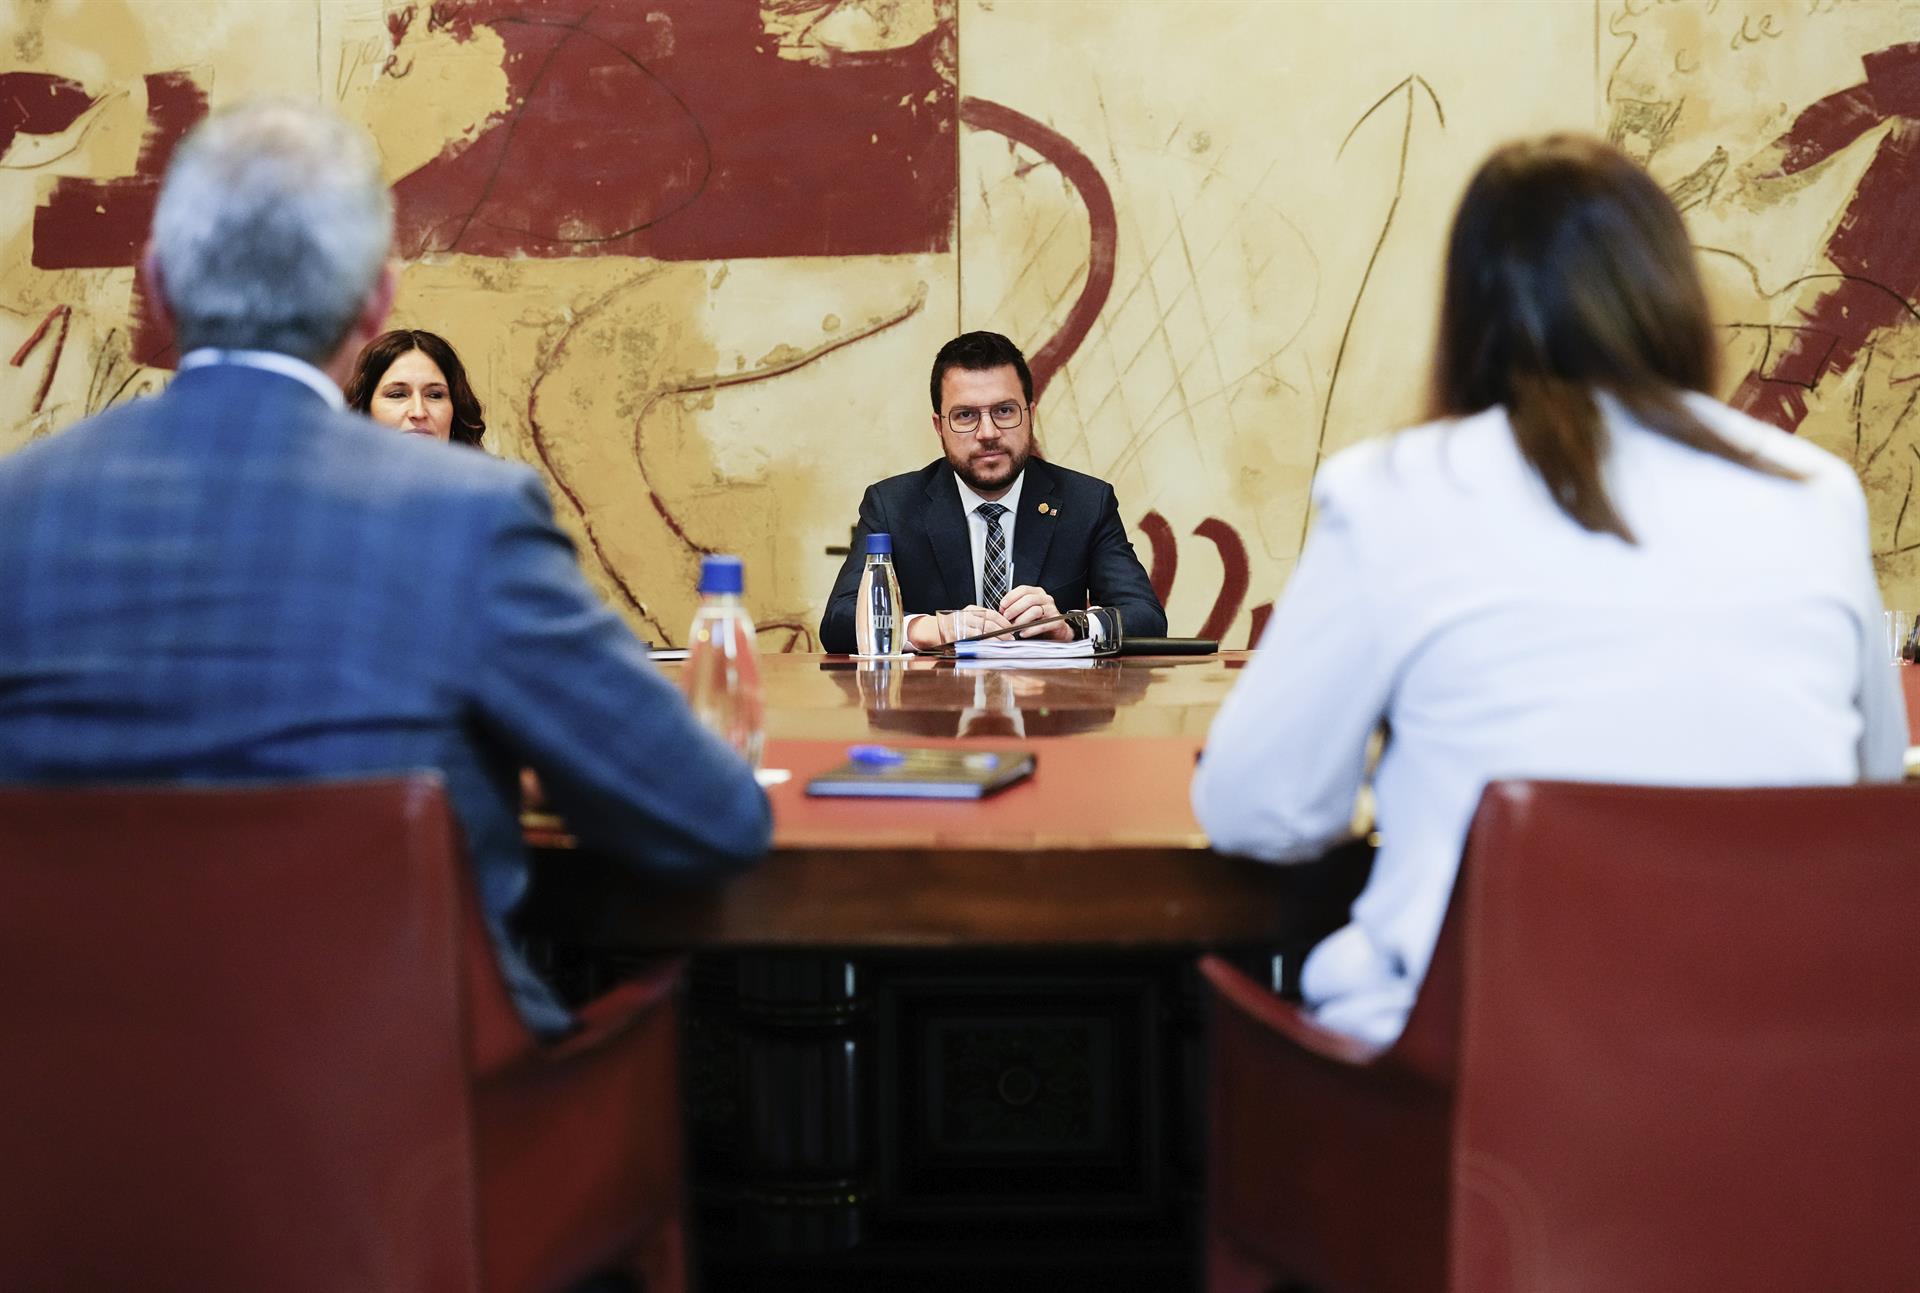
x=1079, y=554
x=234, y=582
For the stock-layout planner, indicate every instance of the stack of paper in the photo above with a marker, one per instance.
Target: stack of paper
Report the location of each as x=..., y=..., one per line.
x=1025, y=651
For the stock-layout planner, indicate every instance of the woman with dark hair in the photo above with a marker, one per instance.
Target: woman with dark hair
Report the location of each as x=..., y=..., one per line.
x=1584, y=568
x=411, y=379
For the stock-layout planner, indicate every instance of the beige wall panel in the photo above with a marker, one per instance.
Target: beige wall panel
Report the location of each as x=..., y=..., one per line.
x=1283, y=174
x=1280, y=177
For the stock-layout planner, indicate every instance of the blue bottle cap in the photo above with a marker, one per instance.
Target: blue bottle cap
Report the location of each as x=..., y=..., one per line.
x=876, y=756
x=721, y=574
x=880, y=544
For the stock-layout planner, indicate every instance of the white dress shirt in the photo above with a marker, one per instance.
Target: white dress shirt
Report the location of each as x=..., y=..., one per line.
x=271, y=361
x=1739, y=642
x=977, y=540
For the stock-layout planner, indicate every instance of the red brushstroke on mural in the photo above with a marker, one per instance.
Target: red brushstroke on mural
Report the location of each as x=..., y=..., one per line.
x=38, y=103
x=1165, y=562
x=1236, y=573
x=1234, y=578
x=673, y=523
x=674, y=130
x=63, y=313
x=92, y=224
x=102, y=224
x=1103, y=226
x=397, y=23
x=34, y=338
x=1873, y=246
x=152, y=343
x=1257, y=623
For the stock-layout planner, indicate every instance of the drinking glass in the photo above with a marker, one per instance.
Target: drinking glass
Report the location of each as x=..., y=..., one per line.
x=1903, y=636
x=955, y=625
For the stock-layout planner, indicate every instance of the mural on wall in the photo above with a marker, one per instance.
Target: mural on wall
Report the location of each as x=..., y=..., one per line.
x=699, y=253
x=1790, y=136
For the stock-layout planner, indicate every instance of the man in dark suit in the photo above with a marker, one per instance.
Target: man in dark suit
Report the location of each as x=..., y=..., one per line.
x=241, y=581
x=988, y=529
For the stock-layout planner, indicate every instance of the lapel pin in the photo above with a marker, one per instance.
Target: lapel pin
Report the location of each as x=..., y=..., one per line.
x=1044, y=509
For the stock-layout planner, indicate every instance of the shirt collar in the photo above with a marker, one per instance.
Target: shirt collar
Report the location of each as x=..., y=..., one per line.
x=1009, y=500
x=270, y=361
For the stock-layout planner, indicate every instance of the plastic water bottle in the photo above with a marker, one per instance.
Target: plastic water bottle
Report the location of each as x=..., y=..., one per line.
x=876, y=617
x=722, y=674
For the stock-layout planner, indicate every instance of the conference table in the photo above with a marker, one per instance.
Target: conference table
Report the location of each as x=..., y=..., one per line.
x=919, y=1021
x=1099, y=848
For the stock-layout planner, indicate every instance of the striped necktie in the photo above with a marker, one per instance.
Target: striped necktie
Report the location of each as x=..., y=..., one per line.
x=996, y=578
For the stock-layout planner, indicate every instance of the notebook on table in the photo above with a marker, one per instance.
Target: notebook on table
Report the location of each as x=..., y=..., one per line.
x=904, y=772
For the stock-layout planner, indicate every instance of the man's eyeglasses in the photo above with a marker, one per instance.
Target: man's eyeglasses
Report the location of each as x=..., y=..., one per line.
x=1006, y=416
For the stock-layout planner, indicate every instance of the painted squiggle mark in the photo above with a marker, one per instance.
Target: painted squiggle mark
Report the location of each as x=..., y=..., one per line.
x=63, y=313
x=720, y=381
x=543, y=449
x=1236, y=573
x=1407, y=89
x=1166, y=554
x=1102, y=219
x=1234, y=578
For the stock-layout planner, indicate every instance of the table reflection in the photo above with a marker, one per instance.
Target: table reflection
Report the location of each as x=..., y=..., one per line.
x=941, y=698
x=813, y=697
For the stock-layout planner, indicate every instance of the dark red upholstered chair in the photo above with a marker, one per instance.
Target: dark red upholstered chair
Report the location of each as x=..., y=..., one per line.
x=1315, y=1140
x=1691, y=1053
x=256, y=1039
x=1688, y=1052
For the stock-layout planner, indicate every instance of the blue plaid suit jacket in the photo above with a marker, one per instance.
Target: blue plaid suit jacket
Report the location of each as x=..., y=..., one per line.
x=234, y=582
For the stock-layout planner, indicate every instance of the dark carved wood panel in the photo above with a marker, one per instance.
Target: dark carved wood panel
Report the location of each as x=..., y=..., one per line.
x=1016, y=1092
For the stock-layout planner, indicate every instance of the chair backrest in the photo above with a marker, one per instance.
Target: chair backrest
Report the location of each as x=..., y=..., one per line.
x=234, y=1048
x=1690, y=1053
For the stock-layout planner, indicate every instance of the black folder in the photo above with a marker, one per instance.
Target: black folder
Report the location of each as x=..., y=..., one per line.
x=1168, y=646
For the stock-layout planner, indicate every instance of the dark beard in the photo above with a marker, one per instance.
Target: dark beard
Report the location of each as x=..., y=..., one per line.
x=1015, y=465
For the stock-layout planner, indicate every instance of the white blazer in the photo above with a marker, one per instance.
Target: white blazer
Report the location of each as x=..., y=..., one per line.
x=1739, y=642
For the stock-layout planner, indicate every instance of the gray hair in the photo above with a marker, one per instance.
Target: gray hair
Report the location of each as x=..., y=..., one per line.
x=271, y=229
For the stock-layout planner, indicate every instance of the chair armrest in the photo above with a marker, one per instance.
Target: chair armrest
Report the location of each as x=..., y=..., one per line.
x=1313, y=1131
x=1289, y=1020
x=602, y=1021
x=616, y=1012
